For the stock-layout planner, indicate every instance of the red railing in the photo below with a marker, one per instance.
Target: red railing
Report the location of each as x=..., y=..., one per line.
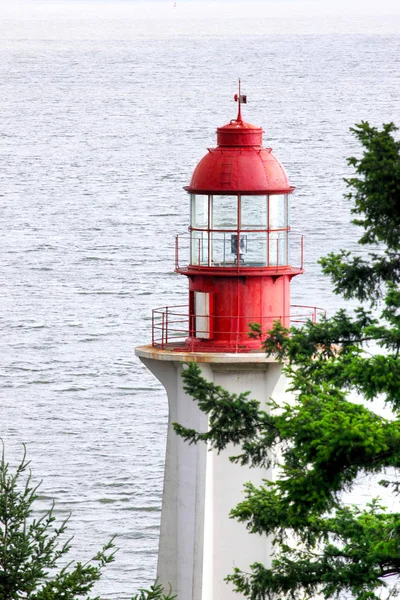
x=172, y=325
x=263, y=250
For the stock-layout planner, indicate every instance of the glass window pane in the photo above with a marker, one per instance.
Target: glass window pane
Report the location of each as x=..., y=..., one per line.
x=224, y=212
x=278, y=242
x=222, y=250
x=254, y=249
x=253, y=212
x=199, y=248
x=199, y=211
x=277, y=211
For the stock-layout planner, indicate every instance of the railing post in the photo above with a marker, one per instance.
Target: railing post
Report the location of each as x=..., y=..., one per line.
x=287, y=261
x=237, y=335
x=192, y=337
x=191, y=324
x=162, y=330
x=166, y=325
x=198, y=258
x=238, y=260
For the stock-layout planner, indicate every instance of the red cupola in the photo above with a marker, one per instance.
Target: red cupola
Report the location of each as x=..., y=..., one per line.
x=240, y=248
x=239, y=164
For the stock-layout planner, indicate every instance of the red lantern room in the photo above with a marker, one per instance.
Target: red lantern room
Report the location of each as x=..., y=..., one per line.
x=240, y=248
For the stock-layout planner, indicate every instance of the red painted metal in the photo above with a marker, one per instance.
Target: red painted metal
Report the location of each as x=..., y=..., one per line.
x=243, y=285
x=179, y=335
x=239, y=163
x=245, y=168
x=239, y=301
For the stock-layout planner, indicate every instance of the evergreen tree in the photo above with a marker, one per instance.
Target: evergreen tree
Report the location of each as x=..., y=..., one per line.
x=325, y=440
x=31, y=549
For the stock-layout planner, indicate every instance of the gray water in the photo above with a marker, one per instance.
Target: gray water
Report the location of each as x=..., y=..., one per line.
x=105, y=111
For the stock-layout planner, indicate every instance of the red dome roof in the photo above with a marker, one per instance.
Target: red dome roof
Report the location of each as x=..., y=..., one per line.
x=239, y=164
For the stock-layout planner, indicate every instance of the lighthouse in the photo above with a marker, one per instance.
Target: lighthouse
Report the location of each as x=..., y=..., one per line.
x=239, y=257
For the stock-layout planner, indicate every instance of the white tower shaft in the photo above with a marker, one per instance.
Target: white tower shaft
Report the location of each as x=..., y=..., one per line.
x=199, y=544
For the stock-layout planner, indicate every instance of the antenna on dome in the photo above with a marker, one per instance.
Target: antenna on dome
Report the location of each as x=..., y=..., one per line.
x=241, y=99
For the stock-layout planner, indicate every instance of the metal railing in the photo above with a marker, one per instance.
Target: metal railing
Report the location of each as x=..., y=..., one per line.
x=173, y=325
x=256, y=249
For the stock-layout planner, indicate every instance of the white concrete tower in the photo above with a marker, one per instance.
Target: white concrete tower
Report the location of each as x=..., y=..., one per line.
x=239, y=272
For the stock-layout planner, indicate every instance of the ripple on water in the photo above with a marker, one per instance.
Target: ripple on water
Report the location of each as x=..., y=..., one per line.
x=91, y=198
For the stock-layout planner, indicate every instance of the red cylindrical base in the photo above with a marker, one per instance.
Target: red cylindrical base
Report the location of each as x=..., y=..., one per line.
x=236, y=302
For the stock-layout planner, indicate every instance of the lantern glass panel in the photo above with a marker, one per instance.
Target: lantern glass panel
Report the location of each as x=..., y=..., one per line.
x=199, y=248
x=224, y=212
x=277, y=248
x=256, y=249
x=199, y=211
x=253, y=212
x=222, y=249
x=278, y=211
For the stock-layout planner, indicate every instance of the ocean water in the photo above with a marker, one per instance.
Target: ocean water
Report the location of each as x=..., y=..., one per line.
x=106, y=108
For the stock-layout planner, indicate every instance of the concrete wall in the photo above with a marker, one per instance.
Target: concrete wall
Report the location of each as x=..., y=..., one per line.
x=199, y=543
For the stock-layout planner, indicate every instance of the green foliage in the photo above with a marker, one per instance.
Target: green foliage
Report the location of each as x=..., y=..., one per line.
x=155, y=592
x=324, y=440
x=361, y=548
x=255, y=331
x=376, y=197
x=31, y=549
x=232, y=418
x=376, y=192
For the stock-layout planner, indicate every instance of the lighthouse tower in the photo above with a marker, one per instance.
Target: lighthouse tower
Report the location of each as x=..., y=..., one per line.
x=239, y=257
